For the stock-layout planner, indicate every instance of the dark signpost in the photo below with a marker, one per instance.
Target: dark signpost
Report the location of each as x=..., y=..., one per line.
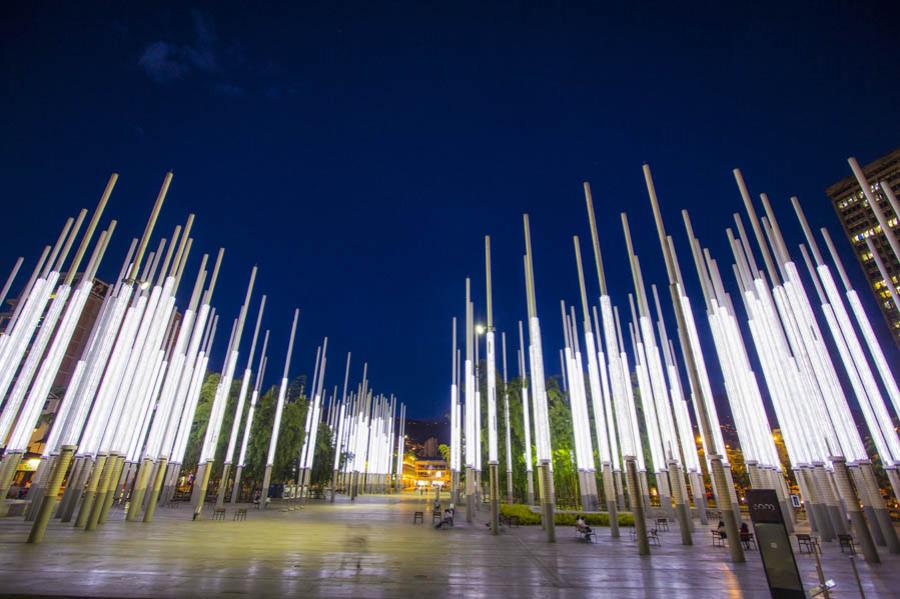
x=774, y=544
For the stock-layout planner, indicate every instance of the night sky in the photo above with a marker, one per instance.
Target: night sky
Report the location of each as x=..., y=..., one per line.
x=359, y=154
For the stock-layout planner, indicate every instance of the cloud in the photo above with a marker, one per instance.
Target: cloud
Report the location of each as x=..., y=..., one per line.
x=165, y=62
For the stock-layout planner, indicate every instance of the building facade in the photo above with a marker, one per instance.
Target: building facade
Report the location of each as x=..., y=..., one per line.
x=860, y=223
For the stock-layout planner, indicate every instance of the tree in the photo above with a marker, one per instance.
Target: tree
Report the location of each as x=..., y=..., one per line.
x=290, y=438
x=323, y=458
x=444, y=450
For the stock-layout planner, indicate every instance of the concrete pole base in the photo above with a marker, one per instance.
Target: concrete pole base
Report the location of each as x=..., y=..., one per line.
x=8, y=467
x=529, y=496
x=681, y=512
x=223, y=483
x=99, y=497
x=609, y=492
x=153, y=499
x=731, y=526
x=494, y=475
x=140, y=489
x=94, y=473
x=201, y=496
x=264, y=492
x=640, y=524
x=110, y=495
x=547, y=501
x=236, y=487
x=620, y=490
x=857, y=521
x=60, y=466
x=73, y=491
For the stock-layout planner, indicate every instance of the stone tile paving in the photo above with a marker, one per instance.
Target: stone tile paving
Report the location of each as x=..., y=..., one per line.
x=370, y=548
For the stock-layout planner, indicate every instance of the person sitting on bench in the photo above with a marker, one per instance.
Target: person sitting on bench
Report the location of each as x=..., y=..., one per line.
x=581, y=525
x=721, y=529
x=446, y=519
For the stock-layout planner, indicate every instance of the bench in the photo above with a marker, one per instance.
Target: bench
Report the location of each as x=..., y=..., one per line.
x=806, y=541
x=219, y=514
x=718, y=540
x=585, y=534
x=662, y=524
x=846, y=542
x=653, y=537
x=436, y=516
x=419, y=517
x=240, y=514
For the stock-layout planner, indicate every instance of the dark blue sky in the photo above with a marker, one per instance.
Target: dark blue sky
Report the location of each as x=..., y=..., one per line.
x=359, y=154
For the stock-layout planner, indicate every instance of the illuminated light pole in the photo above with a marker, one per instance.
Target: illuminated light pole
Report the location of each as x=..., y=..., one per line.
x=704, y=413
x=101, y=381
x=17, y=442
x=217, y=413
x=851, y=501
x=133, y=388
x=542, y=420
x=509, y=468
x=401, y=436
x=341, y=425
x=24, y=428
x=454, y=421
x=144, y=366
x=526, y=418
x=493, y=454
x=479, y=331
x=179, y=446
x=47, y=500
x=690, y=459
x=123, y=387
x=306, y=457
x=471, y=444
x=40, y=324
x=669, y=473
x=359, y=432
x=584, y=455
x=254, y=397
x=27, y=316
x=862, y=380
x=601, y=423
x=740, y=382
x=830, y=387
x=279, y=408
x=239, y=410
x=814, y=377
x=178, y=428
x=621, y=400
x=69, y=422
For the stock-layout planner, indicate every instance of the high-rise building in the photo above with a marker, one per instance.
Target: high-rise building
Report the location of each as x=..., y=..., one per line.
x=859, y=223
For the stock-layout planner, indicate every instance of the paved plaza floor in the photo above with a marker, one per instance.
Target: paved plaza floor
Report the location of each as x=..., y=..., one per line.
x=371, y=548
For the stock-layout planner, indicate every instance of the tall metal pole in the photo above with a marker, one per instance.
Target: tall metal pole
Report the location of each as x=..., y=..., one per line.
x=493, y=457
x=279, y=408
x=715, y=459
x=509, y=468
x=542, y=428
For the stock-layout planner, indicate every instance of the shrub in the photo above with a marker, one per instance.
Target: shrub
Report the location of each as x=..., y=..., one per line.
x=527, y=517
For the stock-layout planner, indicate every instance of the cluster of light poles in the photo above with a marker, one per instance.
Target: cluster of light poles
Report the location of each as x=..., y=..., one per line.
x=791, y=362
x=121, y=429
